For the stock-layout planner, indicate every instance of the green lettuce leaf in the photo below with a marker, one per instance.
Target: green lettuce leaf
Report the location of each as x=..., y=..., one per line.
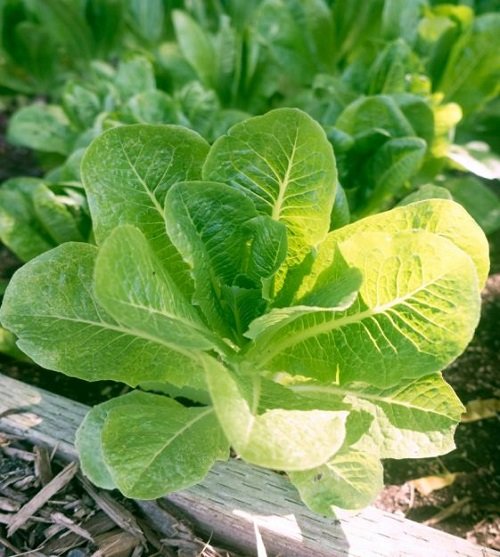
x=418, y=305
x=127, y=172
x=282, y=438
x=151, y=446
x=284, y=163
x=50, y=306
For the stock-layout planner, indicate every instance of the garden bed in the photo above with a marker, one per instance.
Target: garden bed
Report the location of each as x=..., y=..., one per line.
x=236, y=497
x=467, y=507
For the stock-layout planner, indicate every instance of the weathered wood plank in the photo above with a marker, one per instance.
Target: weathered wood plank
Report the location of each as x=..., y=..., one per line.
x=235, y=496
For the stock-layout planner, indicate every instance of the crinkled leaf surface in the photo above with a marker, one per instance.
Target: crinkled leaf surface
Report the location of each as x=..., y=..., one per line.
x=127, y=172
x=416, y=311
x=350, y=480
x=267, y=249
x=283, y=439
x=416, y=418
x=133, y=286
x=206, y=222
x=285, y=164
x=440, y=216
x=159, y=446
x=50, y=306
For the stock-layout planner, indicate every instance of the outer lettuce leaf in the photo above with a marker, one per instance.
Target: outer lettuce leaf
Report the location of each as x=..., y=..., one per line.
x=133, y=286
x=416, y=418
x=349, y=480
x=418, y=306
x=440, y=216
x=280, y=438
x=50, y=306
x=151, y=446
x=88, y=439
x=127, y=172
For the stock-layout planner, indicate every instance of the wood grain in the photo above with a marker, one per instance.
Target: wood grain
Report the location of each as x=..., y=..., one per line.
x=235, y=497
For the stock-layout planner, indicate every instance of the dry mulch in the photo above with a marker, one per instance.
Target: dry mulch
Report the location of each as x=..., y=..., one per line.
x=48, y=508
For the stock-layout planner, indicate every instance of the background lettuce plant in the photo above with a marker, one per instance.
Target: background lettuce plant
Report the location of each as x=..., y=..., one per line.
x=215, y=278
x=400, y=88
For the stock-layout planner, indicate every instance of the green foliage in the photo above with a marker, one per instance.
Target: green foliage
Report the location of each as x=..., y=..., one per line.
x=36, y=216
x=389, y=81
x=215, y=275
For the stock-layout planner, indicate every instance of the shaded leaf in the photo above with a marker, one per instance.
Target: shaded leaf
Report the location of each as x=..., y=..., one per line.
x=153, y=448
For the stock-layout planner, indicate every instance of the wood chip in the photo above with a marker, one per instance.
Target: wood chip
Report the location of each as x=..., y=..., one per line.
x=5, y=518
x=43, y=468
x=116, y=544
x=39, y=500
x=95, y=525
x=24, y=483
x=121, y=516
x=8, y=505
x=480, y=409
x=63, y=520
x=154, y=540
x=19, y=454
x=13, y=494
x=164, y=522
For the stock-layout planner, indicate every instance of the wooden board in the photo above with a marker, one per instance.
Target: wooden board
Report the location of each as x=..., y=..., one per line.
x=235, y=497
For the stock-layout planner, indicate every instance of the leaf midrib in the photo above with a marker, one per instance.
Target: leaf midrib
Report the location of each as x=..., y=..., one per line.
x=369, y=396
x=141, y=181
x=333, y=324
x=116, y=328
x=283, y=184
x=164, y=446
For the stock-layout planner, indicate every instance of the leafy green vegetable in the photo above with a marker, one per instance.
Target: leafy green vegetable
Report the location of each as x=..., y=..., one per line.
x=44, y=128
x=36, y=216
x=313, y=352
x=283, y=161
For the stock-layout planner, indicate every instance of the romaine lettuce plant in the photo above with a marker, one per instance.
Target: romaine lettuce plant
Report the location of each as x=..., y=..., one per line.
x=215, y=278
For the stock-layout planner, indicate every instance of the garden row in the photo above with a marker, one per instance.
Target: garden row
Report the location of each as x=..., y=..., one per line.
x=277, y=239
